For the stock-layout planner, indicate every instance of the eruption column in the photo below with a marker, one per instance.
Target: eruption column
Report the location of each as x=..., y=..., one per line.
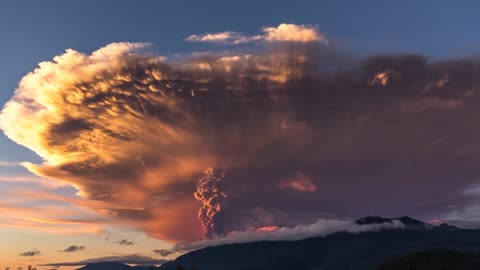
x=210, y=194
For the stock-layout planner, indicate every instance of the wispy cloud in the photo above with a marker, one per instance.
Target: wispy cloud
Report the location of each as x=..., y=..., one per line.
x=9, y=163
x=31, y=253
x=50, y=218
x=300, y=182
x=124, y=242
x=227, y=37
x=73, y=248
x=282, y=33
x=127, y=259
x=51, y=184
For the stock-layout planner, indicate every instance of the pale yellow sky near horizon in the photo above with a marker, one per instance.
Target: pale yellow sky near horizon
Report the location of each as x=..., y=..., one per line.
x=16, y=241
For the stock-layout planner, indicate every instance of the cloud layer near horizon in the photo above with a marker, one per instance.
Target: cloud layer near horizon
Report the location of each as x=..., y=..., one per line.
x=134, y=132
x=126, y=259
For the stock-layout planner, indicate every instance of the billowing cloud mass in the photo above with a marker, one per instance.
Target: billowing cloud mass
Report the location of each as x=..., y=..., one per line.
x=305, y=132
x=74, y=248
x=128, y=259
x=282, y=33
x=31, y=253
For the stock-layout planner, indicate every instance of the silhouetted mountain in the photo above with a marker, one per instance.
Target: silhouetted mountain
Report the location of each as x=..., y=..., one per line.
x=106, y=266
x=337, y=251
x=115, y=266
x=382, y=250
x=436, y=259
x=445, y=226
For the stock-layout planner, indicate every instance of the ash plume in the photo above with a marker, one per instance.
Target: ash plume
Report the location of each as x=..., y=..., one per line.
x=210, y=194
x=306, y=131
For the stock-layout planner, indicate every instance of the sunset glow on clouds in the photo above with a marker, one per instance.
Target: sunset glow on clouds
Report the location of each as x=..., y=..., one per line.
x=300, y=182
x=97, y=133
x=184, y=150
x=132, y=133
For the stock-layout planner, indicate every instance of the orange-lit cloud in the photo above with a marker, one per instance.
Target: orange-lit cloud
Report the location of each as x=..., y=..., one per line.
x=97, y=133
x=293, y=33
x=299, y=182
x=282, y=33
x=134, y=132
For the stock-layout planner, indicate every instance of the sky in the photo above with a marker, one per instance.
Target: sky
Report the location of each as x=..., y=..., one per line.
x=144, y=129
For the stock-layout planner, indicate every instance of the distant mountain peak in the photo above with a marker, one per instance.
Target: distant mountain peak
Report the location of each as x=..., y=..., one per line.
x=447, y=227
x=106, y=266
x=372, y=220
x=408, y=221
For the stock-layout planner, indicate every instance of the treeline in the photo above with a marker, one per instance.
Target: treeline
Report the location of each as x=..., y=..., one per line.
x=435, y=259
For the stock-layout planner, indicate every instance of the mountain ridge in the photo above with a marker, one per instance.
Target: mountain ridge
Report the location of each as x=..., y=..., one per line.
x=341, y=250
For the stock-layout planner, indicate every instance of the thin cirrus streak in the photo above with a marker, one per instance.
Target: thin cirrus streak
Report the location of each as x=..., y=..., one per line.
x=9, y=164
x=133, y=130
x=51, y=184
x=49, y=219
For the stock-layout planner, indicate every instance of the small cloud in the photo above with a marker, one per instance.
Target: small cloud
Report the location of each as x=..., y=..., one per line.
x=293, y=33
x=163, y=252
x=124, y=242
x=282, y=33
x=227, y=37
x=300, y=182
x=31, y=253
x=383, y=78
x=73, y=249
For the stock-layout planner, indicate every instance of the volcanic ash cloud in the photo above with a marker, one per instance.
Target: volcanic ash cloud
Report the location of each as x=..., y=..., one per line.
x=139, y=133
